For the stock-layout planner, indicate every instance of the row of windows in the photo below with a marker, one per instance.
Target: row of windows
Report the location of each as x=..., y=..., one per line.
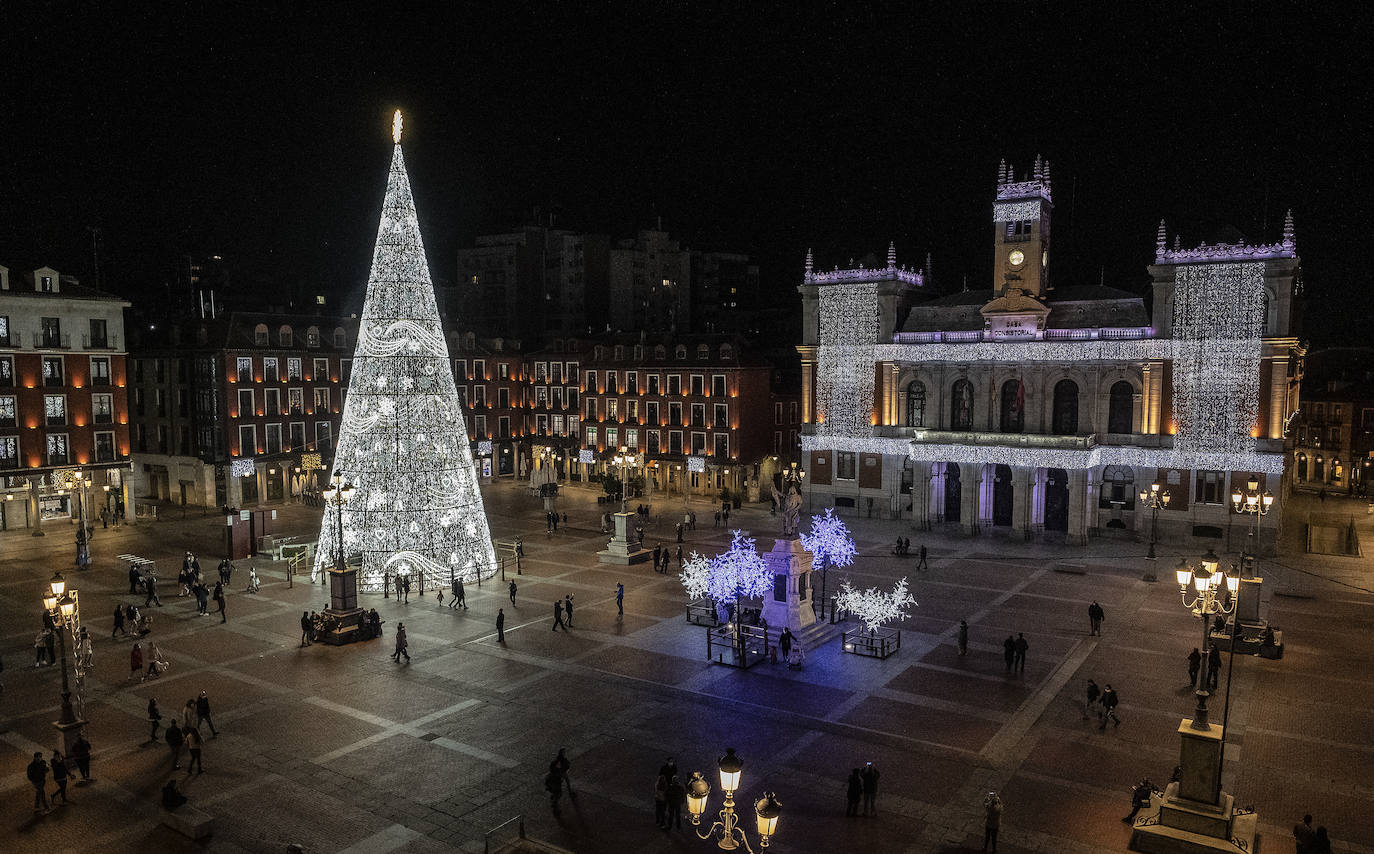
x=696, y=383
x=544, y=397
x=503, y=371
x=1064, y=417
x=295, y=438
x=49, y=333
x=271, y=370
x=55, y=372
x=55, y=410
x=612, y=437
x=286, y=337
x=610, y=409
x=57, y=451
x=544, y=425
x=272, y=402
x=703, y=352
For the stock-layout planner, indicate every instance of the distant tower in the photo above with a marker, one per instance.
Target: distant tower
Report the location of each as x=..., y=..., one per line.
x=1021, y=231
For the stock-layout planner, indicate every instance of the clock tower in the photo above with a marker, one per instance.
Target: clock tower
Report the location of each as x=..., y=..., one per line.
x=1021, y=231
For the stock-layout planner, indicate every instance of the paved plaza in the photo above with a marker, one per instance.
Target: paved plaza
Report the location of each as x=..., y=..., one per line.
x=341, y=749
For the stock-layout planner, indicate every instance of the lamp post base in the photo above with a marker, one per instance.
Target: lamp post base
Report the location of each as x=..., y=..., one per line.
x=67, y=733
x=1177, y=825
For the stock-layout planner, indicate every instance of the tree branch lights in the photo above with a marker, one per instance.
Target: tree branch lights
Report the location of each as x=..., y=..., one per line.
x=1218, y=322
x=403, y=441
x=696, y=575
x=740, y=572
x=848, y=330
x=829, y=540
x=873, y=606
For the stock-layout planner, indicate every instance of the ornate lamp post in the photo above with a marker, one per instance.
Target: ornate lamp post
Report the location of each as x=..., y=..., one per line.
x=61, y=605
x=1154, y=500
x=1252, y=501
x=79, y=482
x=732, y=836
x=1207, y=603
x=622, y=461
x=336, y=496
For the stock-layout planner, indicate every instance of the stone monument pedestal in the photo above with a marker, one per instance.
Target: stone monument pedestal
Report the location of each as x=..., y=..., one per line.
x=1196, y=816
x=621, y=549
x=790, y=602
x=343, y=606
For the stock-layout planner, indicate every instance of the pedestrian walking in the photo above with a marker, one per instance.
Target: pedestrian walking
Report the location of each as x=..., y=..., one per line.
x=37, y=773
x=562, y=764
x=1304, y=835
x=59, y=776
x=81, y=753
x=1021, y=647
x=156, y=663
x=202, y=599
x=188, y=716
x=1009, y=651
x=567, y=609
x=40, y=648
x=150, y=585
x=1140, y=798
x=963, y=636
x=104, y=517
x=785, y=642
x=658, y=554
x=401, y=644
x=554, y=786
x=1109, y=701
x=203, y=714
x=306, y=628
x=135, y=579
x=558, y=615
x=135, y=661
x=869, y=778
x=854, y=791
x=992, y=820
x=679, y=532
x=405, y=587
x=154, y=718
x=679, y=558
x=460, y=594
x=1321, y=843
x=512, y=594
x=194, y=743
x=1095, y=615
x=500, y=625
x=620, y=599
x=677, y=796
x=219, y=599
x=118, y=622
x=660, y=800
x=1213, y=667
x=1194, y=665
x=175, y=739
x=453, y=590
x=921, y=564
x=1091, y=698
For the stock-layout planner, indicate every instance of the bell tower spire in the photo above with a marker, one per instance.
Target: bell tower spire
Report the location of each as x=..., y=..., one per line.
x=1021, y=231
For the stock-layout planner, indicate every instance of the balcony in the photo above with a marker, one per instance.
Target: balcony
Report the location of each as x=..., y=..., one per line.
x=977, y=437
x=49, y=341
x=108, y=342
x=1125, y=333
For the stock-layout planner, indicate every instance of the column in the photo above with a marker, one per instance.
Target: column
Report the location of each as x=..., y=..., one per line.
x=1037, y=510
x=1278, y=397
x=1079, y=507
x=894, y=415
x=935, y=495
x=1021, y=500
x=971, y=484
x=35, y=506
x=808, y=380
x=920, y=496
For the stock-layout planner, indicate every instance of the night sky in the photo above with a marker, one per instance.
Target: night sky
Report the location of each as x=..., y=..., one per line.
x=262, y=135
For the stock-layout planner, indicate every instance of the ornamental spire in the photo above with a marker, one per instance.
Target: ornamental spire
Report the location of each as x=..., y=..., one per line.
x=1161, y=239
x=1039, y=168
x=809, y=265
x=891, y=254
x=1289, y=235
x=1002, y=172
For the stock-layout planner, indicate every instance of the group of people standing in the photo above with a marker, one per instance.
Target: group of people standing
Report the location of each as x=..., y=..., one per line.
x=183, y=732
x=62, y=769
x=661, y=556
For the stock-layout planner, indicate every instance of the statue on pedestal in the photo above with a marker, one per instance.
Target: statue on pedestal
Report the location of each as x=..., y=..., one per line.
x=789, y=503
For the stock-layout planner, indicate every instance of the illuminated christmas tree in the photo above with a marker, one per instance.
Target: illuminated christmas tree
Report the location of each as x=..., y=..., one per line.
x=403, y=444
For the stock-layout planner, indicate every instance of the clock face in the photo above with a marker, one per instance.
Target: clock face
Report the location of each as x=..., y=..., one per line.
x=1016, y=258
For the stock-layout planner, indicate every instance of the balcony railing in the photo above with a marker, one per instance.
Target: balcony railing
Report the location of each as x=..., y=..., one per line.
x=44, y=341
x=108, y=342
x=1124, y=333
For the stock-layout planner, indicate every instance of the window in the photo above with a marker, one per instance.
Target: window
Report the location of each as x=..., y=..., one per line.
x=555, y=372
x=591, y=437
x=1013, y=406
x=503, y=371
x=274, y=438
x=698, y=384
x=631, y=382
x=102, y=408
x=57, y=449
x=7, y=371
x=284, y=337
x=653, y=383
x=160, y=369
x=674, y=384
x=479, y=424
x=591, y=382
x=55, y=409
x=460, y=369
x=1211, y=487
x=541, y=396
x=632, y=439
x=138, y=370
x=653, y=441
x=777, y=441
x=558, y=428
x=613, y=437
x=961, y=406
x=722, y=446
x=718, y=385
x=844, y=467
x=296, y=435
x=260, y=335
x=698, y=444
x=591, y=409
x=52, y=371
x=9, y=452
x=160, y=400
x=479, y=395
x=541, y=424
x=703, y=352
x=293, y=370
x=100, y=370
x=675, y=441
x=915, y=405
x=722, y=419
x=340, y=337
x=272, y=399
x=138, y=401
x=1120, y=408
x=321, y=370
x=345, y=370
x=612, y=382
x=558, y=402
x=269, y=370
x=246, y=408
x=295, y=401
x=777, y=413
x=321, y=401
x=98, y=336
x=632, y=410
x=323, y=437
x=698, y=415
x=572, y=372
x=479, y=369
x=1065, y=422
x=248, y=440
x=1118, y=488
x=4, y=330
x=612, y=408
x=52, y=331
x=7, y=412
x=675, y=414
x=651, y=412
x=243, y=369
x=312, y=336
x=503, y=398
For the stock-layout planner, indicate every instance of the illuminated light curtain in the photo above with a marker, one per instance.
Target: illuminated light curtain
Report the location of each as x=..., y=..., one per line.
x=403, y=442
x=847, y=333
x=1218, y=322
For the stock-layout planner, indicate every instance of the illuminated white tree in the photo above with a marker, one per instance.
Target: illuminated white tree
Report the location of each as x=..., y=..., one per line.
x=874, y=606
x=740, y=572
x=696, y=575
x=403, y=443
x=830, y=543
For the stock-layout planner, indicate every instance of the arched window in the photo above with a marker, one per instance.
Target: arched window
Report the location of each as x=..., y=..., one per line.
x=726, y=352
x=1013, y=406
x=1302, y=466
x=312, y=336
x=1118, y=488
x=1065, y=408
x=1121, y=408
x=703, y=352
x=260, y=335
x=680, y=351
x=340, y=337
x=660, y=352
x=620, y=352
x=961, y=406
x=916, y=404
x=284, y=336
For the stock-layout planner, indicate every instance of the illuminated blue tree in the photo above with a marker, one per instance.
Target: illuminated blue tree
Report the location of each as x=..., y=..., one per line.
x=830, y=543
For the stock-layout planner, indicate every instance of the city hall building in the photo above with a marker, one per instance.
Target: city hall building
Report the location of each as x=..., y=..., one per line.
x=1043, y=412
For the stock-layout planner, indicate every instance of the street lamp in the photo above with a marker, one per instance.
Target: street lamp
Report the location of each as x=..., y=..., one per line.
x=732, y=836
x=83, y=540
x=1252, y=501
x=1154, y=499
x=623, y=460
x=336, y=496
x=1208, y=602
x=61, y=606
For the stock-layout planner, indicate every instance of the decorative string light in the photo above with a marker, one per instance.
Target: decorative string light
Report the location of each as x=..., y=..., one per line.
x=738, y=573
x=848, y=331
x=875, y=607
x=829, y=540
x=403, y=442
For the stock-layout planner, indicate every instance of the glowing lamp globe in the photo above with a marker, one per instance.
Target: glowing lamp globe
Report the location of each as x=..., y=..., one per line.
x=1232, y=582
x=768, y=809
x=49, y=602
x=731, y=767
x=58, y=585
x=1202, y=581
x=1236, y=497
x=1209, y=562
x=68, y=608
x=1268, y=500
x=1184, y=575
x=697, y=792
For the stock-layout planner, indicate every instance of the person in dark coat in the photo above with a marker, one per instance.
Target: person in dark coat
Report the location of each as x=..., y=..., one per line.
x=620, y=598
x=1009, y=651
x=402, y=645
x=174, y=742
x=135, y=578
x=150, y=585
x=203, y=714
x=1109, y=701
x=1095, y=615
x=1021, y=647
x=785, y=642
x=1304, y=835
x=921, y=564
x=869, y=778
x=1090, y=700
x=963, y=635
x=1194, y=665
x=660, y=799
x=38, y=776
x=81, y=753
x=500, y=625
x=854, y=790
x=677, y=796
x=1140, y=798
x=306, y=628
x=59, y=776
x=558, y=615
x=219, y=599
x=118, y=622
x=512, y=594
x=154, y=718
x=194, y=742
x=658, y=554
x=1213, y=667
x=567, y=608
